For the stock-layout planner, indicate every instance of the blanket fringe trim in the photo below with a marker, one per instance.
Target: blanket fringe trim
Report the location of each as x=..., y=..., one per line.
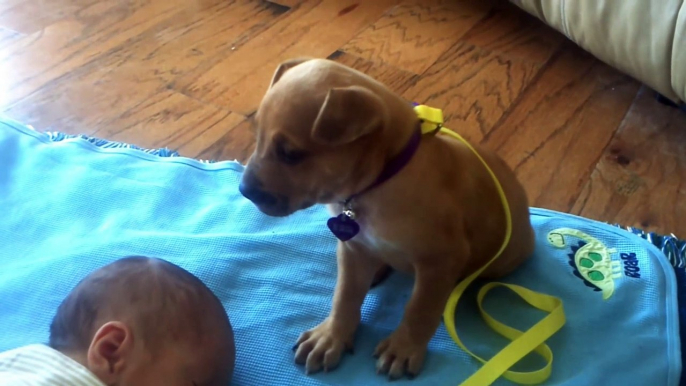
x=56, y=136
x=672, y=247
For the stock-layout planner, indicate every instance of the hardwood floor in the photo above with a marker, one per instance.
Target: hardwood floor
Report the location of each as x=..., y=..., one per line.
x=583, y=137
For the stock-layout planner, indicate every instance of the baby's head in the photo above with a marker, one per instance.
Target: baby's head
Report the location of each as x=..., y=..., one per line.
x=145, y=321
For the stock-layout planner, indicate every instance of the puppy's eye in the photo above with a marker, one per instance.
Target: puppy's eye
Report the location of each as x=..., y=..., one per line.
x=289, y=156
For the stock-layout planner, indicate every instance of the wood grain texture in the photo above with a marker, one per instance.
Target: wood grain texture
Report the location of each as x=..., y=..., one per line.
x=413, y=36
x=95, y=94
x=123, y=104
x=555, y=134
x=77, y=41
x=315, y=29
x=173, y=120
x=394, y=78
x=167, y=38
x=641, y=177
x=236, y=144
x=28, y=16
x=194, y=40
x=477, y=83
x=514, y=34
x=87, y=99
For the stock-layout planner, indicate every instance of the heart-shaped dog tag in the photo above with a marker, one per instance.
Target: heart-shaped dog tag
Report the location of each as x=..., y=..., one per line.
x=343, y=227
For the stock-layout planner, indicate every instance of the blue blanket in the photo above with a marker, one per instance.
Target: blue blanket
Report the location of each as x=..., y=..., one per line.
x=71, y=206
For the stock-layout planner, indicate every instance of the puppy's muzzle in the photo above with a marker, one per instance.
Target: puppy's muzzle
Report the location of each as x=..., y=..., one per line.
x=252, y=192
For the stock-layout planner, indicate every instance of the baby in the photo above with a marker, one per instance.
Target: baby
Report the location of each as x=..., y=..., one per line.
x=137, y=321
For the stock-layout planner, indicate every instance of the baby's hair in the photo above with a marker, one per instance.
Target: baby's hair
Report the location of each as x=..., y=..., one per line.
x=165, y=304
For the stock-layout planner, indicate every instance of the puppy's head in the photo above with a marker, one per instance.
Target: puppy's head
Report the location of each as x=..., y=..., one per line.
x=317, y=130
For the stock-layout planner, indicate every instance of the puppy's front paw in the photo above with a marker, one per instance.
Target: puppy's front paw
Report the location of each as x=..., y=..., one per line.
x=322, y=347
x=399, y=354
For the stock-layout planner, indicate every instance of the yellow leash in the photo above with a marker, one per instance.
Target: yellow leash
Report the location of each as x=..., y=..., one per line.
x=522, y=343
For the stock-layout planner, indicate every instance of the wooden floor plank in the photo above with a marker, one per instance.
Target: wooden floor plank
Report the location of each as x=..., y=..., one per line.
x=475, y=85
x=39, y=58
x=412, y=36
x=641, y=177
x=515, y=34
x=197, y=39
x=29, y=16
x=396, y=79
x=119, y=104
x=169, y=119
x=554, y=135
x=98, y=91
x=89, y=99
x=236, y=144
x=165, y=36
x=316, y=29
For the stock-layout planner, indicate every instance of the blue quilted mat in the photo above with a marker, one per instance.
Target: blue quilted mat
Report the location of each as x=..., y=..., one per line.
x=71, y=205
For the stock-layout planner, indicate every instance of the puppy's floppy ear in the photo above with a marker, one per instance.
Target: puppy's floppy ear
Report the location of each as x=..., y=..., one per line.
x=285, y=66
x=347, y=114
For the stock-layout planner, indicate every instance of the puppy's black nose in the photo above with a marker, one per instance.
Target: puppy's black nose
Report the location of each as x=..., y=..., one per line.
x=256, y=195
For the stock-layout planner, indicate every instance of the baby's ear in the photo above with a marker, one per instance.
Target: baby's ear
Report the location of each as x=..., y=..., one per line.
x=109, y=351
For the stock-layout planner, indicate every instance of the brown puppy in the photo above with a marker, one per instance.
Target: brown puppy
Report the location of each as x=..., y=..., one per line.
x=324, y=133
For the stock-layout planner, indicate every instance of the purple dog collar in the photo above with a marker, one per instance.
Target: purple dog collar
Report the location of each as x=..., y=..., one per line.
x=344, y=226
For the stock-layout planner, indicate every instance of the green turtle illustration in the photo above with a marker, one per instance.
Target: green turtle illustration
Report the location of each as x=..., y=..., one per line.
x=590, y=259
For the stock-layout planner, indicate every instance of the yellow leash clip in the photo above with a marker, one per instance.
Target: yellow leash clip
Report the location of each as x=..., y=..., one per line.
x=522, y=343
